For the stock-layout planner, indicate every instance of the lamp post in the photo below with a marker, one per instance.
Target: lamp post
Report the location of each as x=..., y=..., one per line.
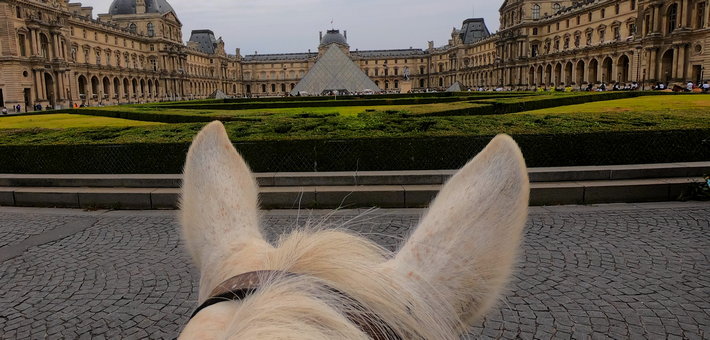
x=643, y=81
x=638, y=60
x=386, y=85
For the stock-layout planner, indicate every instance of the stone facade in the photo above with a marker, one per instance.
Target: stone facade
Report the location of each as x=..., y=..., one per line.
x=56, y=53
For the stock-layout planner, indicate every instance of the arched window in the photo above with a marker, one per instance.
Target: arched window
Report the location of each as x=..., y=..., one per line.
x=133, y=28
x=263, y=88
x=151, y=29
x=556, y=7
x=536, y=12
x=44, y=46
x=273, y=87
x=672, y=17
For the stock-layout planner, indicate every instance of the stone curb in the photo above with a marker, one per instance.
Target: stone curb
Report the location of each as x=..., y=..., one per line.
x=385, y=196
x=418, y=177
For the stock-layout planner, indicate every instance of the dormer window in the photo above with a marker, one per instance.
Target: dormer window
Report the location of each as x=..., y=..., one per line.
x=536, y=12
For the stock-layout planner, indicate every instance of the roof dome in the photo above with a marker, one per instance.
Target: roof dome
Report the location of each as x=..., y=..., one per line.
x=333, y=36
x=129, y=7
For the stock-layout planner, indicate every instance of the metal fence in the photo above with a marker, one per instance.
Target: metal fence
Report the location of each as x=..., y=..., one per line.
x=367, y=154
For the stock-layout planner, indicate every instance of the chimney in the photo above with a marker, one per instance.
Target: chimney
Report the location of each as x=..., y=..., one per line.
x=320, y=38
x=256, y=52
x=345, y=34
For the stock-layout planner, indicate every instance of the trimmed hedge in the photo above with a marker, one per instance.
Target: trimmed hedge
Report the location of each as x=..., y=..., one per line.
x=377, y=154
x=157, y=115
x=502, y=107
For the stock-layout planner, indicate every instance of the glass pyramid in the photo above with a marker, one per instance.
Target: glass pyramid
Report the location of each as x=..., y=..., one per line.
x=334, y=71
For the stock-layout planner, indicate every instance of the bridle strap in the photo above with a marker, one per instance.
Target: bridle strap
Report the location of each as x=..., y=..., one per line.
x=239, y=287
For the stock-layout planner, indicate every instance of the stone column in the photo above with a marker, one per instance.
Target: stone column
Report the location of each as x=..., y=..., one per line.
x=674, y=68
x=33, y=42
x=38, y=85
x=652, y=69
x=55, y=40
x=683, y=22
x=656, y=19
x=680, y=73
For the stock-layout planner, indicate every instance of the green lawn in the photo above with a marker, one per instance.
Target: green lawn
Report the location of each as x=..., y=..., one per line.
x=62, y=121
x=658, y=104
x=650, y=113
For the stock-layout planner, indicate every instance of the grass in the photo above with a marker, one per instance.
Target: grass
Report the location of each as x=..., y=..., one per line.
x=655, y=104
x=651, y=113
x=346, y=111
x=63, y=121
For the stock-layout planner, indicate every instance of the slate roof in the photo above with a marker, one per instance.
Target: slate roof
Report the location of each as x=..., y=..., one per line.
x=473, y=30
x=129, y=7
x=279, y=56
x=334, y=71
x=205, y=40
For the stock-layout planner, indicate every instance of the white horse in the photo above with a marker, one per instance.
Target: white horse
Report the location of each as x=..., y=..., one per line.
x=333, y=284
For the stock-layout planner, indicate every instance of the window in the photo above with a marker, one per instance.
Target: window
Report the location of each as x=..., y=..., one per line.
x=152, y=47
x=96, y=36
x=154, y=64
x=133, y=28
x=534, y=50
x=84, y=32
x=603, y=12
x=151, y=29
x=700, y=21
x=19, y=12
x=579, y=19
x=557, y=26
x=633, y=5
x=71, y=29
x=567, y=23
x=377, y=72
x=535, y=31
x=421, y=70
x=44, y=46
x=617, y=33
x=115, y=41
x=247, y=76
x=536, y=12
x=556, y=7
x=589, y=19
x=632, y=29
x=21, y=41
x=566, y=45
x=601, y=35
x=616, y=9
x=300, y=74
x=672, y=17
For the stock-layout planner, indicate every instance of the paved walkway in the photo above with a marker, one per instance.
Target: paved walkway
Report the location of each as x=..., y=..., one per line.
x=614, y=271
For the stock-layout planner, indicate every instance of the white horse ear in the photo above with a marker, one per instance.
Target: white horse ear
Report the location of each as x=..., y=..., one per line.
x=465, y=247
x=219, y=196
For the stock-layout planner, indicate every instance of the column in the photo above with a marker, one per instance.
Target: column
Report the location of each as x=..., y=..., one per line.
x=60, y=83
x=33, y=42
x=38, y=85
x=656, y=19
x=652, y=70
x=674, y=68
x=680, y=73
x=55, y=39
x=684, y=14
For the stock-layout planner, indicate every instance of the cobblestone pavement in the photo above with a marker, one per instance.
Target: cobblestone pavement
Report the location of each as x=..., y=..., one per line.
x=612, y=271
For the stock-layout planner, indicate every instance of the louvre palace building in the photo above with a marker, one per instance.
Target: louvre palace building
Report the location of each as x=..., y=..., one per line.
x=57, y=53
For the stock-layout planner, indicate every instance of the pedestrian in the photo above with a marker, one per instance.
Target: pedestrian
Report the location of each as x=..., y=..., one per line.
x=689, y=87
x=4, y=110
x=706, y=87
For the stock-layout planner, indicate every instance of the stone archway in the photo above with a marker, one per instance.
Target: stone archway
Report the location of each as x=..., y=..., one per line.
x=580, y=73
x=49, y=89
x=666, y=66
x=548, y=74
x=623, y=69
x=568, y=74
x=593, y=76
x=83, y=86
x=558, y=75
x=607, y=69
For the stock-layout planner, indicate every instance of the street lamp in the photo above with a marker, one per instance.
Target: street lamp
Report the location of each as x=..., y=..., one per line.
x=643, y=81
x=638, y=60
x=386, y=85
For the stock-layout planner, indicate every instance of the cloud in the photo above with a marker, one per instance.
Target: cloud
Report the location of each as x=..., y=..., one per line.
x=284, y=26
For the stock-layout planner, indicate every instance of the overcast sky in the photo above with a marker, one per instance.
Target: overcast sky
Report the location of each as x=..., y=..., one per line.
x=287, y=26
